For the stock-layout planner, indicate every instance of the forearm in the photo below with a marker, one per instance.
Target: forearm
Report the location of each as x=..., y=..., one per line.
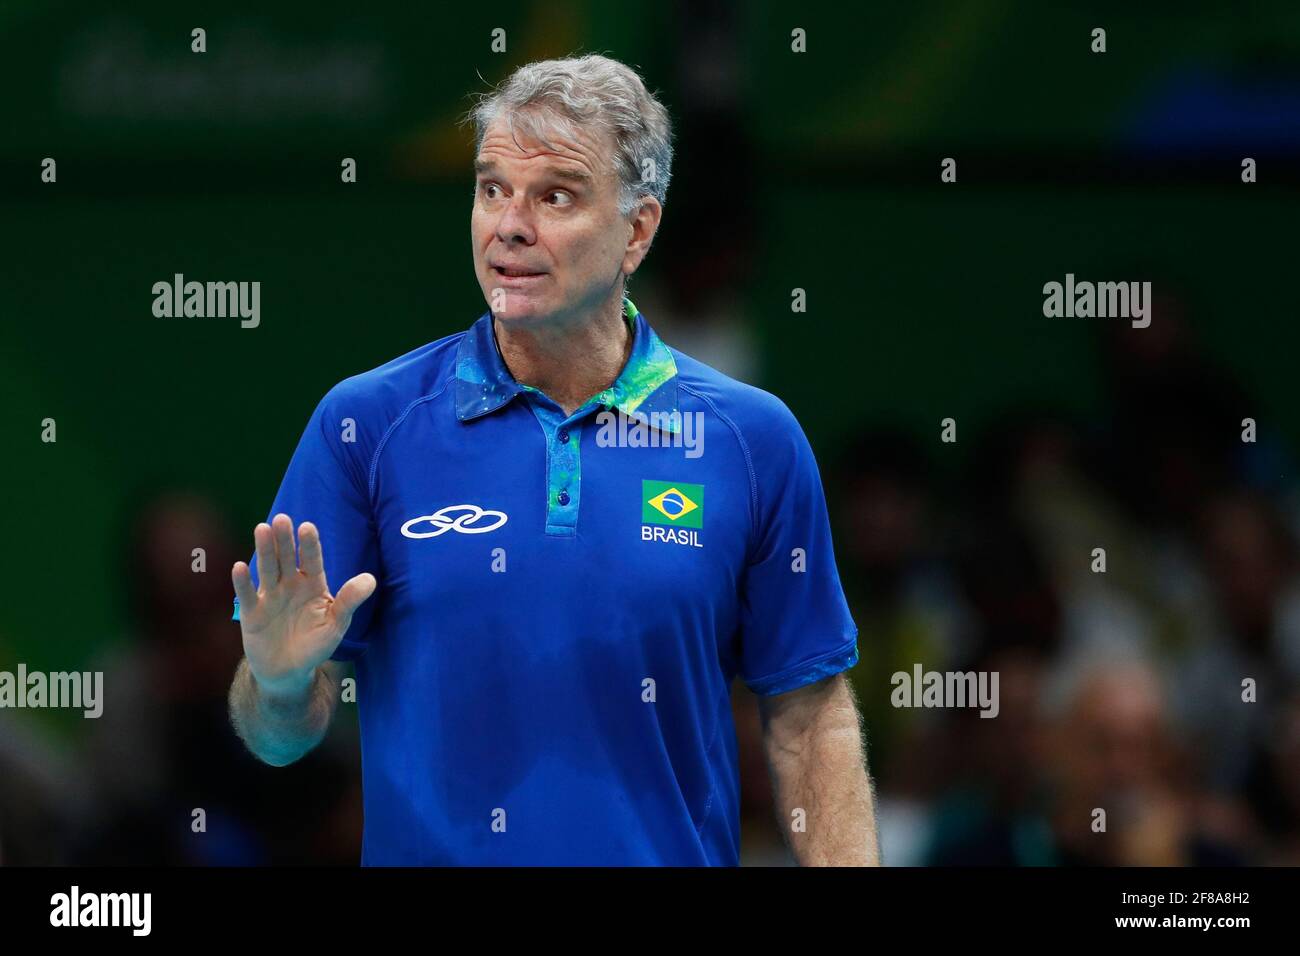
x=822, y=789
x=280, y=726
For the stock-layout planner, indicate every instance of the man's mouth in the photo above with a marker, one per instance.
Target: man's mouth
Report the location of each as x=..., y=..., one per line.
x=510, y=273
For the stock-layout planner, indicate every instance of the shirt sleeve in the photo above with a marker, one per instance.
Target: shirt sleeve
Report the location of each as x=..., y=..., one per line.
x=327, y=483
x=796, y=627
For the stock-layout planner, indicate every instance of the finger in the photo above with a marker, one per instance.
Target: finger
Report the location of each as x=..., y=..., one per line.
x=268, y=565
x=242, y=578
x=310, y=555
x=282, y=525
x=350, y=597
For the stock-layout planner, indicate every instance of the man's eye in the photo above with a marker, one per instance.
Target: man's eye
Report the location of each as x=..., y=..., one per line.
x=561, y=198
x=489, y=190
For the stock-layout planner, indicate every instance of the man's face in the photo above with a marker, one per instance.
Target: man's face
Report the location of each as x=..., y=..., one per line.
x=549, y=241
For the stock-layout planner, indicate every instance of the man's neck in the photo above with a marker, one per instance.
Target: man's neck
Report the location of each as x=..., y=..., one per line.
x=569, y=361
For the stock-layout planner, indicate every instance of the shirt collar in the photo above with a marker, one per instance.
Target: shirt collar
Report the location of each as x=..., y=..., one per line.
x=646, y=386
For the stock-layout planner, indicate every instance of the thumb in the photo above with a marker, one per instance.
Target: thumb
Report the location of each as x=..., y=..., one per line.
x=350, y=597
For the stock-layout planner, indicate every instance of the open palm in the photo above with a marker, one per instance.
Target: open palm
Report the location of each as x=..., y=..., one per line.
x=290, y=622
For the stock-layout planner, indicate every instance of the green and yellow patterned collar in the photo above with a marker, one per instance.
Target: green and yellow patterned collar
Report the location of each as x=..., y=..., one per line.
x=645, y=390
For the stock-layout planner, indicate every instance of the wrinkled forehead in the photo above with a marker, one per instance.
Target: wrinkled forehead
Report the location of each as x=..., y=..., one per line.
x=538, y=136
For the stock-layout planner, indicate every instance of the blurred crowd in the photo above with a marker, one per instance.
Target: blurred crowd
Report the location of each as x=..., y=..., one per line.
x=160, y=777
x=1161, y=687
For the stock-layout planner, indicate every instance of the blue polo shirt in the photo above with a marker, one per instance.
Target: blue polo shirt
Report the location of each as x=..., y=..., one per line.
x=544, y=673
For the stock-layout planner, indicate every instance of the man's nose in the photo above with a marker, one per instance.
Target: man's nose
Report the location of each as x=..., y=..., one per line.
x=516, y=223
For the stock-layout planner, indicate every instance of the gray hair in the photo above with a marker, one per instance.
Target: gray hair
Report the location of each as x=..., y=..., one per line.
x=595, y=93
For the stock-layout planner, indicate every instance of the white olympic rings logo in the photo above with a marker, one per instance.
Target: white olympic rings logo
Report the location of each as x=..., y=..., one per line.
x=461, y=523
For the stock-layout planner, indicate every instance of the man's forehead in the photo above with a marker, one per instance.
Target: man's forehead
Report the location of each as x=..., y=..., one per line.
x=562, y=153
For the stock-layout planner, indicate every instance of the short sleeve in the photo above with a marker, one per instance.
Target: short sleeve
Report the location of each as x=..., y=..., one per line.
x=796, y=627
x=327, y=483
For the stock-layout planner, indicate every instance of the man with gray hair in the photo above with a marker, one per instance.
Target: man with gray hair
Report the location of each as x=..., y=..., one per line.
x=546, y=622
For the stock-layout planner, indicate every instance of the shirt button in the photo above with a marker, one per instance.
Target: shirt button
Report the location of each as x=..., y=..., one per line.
x=563, y=498
x=564, y=436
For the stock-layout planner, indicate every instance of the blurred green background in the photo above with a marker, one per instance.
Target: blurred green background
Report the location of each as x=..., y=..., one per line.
x=924, y=299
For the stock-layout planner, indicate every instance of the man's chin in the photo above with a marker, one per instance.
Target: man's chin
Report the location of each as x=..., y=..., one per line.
x=518, y=307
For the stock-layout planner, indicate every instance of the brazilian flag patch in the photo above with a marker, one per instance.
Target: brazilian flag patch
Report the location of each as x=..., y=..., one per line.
x=675, y=503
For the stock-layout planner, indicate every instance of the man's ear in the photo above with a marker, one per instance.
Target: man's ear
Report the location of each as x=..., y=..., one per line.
x=644, y=222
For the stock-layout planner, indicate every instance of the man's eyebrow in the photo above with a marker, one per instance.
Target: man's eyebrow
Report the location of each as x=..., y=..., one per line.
x=486, y=167
x=569, y=174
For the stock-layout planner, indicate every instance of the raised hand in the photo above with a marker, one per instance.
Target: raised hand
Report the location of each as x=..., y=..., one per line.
x=291, y=623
